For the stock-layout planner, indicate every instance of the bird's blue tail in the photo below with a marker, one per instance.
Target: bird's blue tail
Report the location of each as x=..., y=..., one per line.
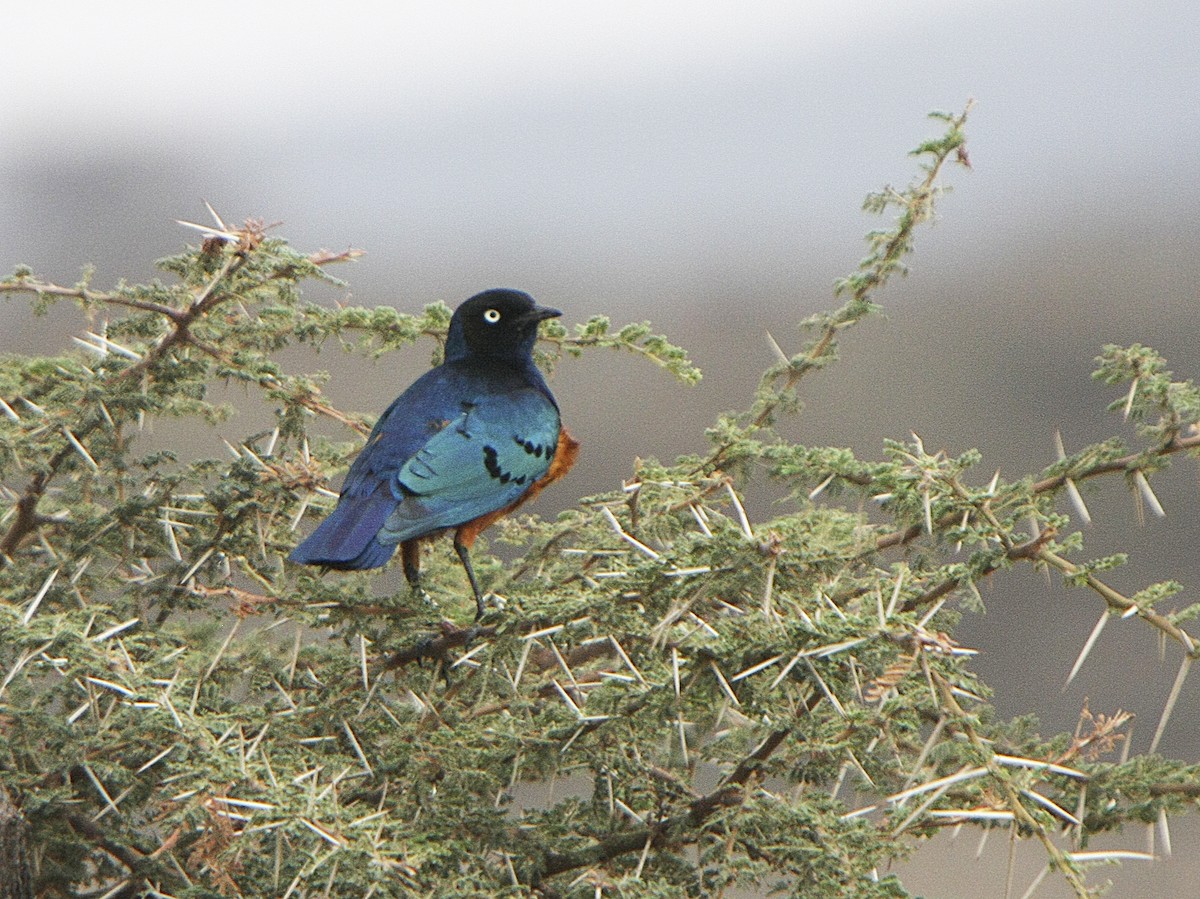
x=348, y=539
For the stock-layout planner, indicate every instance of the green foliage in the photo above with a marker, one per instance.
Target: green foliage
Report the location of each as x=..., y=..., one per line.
x=635, y=337
x=676, y=699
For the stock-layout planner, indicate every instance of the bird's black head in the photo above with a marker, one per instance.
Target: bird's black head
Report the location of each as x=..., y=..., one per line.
x=499, y=323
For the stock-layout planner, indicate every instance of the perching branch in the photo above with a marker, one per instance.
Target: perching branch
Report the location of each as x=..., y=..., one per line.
x=680, y=829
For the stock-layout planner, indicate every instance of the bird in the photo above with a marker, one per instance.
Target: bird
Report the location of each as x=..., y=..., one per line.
x=467, y=443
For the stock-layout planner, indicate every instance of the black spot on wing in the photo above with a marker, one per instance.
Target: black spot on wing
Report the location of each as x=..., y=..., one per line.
x=491, y=462
x=537, y=450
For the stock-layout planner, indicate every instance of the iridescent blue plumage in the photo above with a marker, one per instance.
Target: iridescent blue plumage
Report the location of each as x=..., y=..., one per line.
x=465, y=443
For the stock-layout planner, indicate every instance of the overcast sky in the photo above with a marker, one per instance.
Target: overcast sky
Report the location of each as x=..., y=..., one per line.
x=561, y=144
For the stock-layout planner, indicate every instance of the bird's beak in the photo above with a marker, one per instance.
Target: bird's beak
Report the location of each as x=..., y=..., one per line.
x=541, y=313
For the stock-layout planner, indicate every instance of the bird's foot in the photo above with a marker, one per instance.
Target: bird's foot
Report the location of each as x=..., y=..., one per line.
x=489, y=600
x=420, y=593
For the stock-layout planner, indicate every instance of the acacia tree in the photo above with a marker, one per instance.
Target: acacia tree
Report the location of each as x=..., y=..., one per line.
x=768, y=704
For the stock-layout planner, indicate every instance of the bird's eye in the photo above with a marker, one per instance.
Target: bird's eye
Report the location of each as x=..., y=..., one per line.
x=491, y=316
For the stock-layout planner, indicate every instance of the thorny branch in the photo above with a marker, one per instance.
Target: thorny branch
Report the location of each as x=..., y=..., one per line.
x=918, y=206
x=1036, y=550
x=26, y=519
x=683, y=827
x=1012, y=798
x=1123, y=465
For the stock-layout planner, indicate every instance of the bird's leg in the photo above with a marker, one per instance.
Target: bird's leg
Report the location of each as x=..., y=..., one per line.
x=410, y=556
x=464, y=556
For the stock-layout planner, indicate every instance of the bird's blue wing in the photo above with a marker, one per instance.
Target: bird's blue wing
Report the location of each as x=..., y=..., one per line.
x=349, y=537
x=483, y=460
x=404, y=427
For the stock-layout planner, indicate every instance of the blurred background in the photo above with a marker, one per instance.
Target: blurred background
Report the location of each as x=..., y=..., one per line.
x=700, y=165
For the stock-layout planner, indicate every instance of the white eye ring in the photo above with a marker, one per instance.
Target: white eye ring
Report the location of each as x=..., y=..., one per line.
x=491, y=316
